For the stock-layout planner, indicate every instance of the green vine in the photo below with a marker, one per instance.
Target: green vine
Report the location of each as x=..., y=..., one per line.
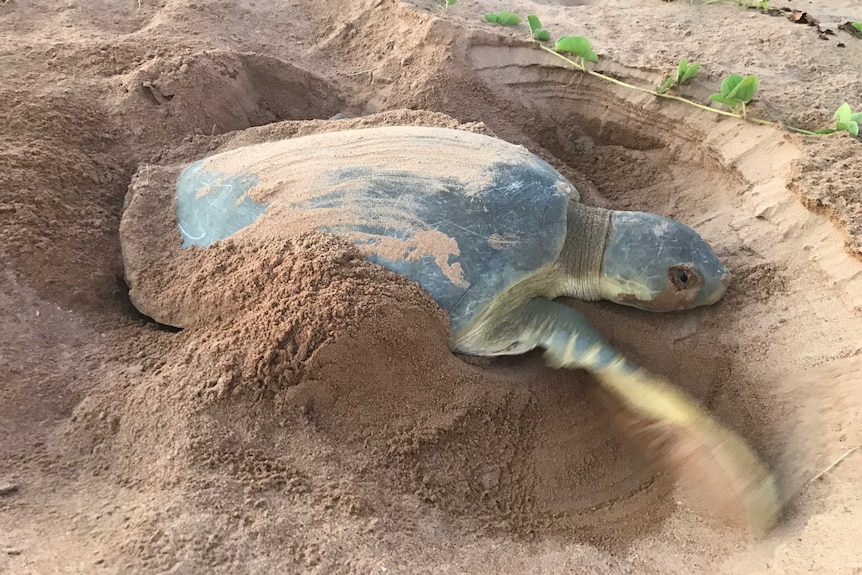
x=735, y=94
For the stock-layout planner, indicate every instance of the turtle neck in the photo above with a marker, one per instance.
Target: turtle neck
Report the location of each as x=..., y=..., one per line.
x=582, y=256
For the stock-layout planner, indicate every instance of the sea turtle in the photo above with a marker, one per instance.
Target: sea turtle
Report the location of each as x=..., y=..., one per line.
x=494, y=234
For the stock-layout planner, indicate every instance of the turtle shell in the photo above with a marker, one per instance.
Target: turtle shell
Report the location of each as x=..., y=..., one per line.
x=464, y=215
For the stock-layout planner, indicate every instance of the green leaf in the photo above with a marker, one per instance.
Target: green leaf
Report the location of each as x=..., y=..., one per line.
x=730, y=83
x=681, y=70
x=728, y=101
x=842, y=126
x=506, y=18
x=691, y=72
x=720, y=98
x=577, y=45
x=853, y=128
x=450, y=2
x=536, y=29
x=665, y=85
x=857, y=25
x=856, y=117
x=825, y=131
x=745, y=90
x=491, y=17
x=842, y=114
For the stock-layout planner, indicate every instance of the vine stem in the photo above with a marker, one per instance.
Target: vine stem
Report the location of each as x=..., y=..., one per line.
x=582, y=67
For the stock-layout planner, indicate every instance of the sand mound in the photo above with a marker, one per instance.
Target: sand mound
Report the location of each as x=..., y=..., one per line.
x=306, y=326
x=312, y=419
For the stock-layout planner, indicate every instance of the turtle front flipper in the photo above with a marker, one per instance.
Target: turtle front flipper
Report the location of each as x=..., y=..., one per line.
x=706, y=455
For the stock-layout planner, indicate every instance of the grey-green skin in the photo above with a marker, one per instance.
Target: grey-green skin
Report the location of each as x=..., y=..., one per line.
x=549, y=245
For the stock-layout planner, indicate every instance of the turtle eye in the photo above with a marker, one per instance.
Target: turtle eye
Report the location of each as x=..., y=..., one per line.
x=682, y=276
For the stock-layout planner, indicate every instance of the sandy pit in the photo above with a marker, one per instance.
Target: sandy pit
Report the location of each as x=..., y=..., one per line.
x=312, y=419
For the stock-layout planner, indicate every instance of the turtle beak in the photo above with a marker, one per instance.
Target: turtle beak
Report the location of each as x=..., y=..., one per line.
x=720, y=288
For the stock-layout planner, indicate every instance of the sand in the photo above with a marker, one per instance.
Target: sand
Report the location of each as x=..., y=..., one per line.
x=312, y=419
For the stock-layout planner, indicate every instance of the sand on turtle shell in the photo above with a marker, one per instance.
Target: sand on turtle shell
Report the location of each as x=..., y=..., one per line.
x=284, y=179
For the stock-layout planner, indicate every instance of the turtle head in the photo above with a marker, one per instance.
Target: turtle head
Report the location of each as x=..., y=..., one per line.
x=658, y=264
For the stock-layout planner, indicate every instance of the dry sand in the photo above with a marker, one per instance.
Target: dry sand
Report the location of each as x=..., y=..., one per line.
x=315, y=422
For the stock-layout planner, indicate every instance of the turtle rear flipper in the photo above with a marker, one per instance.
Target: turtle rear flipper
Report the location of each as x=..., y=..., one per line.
x=707, y=457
